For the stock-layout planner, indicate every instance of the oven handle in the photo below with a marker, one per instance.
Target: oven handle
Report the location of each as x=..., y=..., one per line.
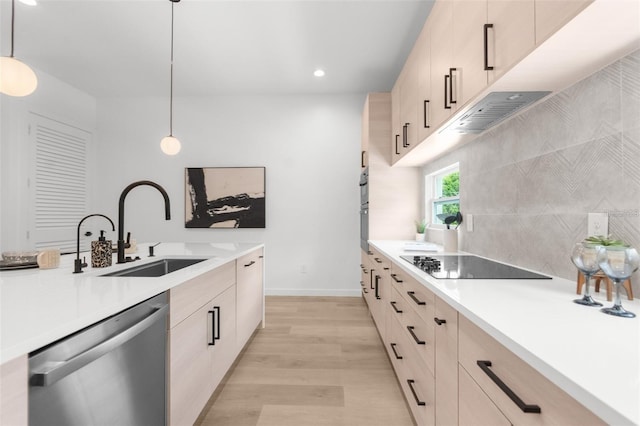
x=62, y=369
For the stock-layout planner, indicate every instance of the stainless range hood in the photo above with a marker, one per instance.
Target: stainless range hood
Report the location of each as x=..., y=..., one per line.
x=493, y=109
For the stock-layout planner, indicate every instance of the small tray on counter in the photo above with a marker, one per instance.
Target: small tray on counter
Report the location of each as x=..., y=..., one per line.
x=8, y=265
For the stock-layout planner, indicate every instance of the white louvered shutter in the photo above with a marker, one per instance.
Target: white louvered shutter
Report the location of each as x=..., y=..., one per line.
x=60, y=182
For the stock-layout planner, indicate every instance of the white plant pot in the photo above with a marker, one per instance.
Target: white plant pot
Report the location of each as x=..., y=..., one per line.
x=419, y=237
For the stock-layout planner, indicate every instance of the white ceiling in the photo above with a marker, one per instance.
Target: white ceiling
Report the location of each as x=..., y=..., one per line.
x=122, y=47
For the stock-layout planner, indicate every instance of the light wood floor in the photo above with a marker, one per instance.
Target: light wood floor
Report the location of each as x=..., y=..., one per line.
x=319, y=361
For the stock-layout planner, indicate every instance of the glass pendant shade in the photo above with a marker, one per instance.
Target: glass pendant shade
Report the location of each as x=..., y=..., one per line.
x=170, y=145
x=16, y=78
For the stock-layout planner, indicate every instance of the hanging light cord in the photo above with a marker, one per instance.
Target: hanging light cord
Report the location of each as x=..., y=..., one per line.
x=171, y=78
x=13, y=20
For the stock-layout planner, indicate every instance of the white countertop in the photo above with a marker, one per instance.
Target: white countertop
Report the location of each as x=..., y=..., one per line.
x=592, y=356
x=38, y=307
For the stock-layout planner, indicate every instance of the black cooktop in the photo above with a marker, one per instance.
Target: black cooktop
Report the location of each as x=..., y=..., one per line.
x=469, y=267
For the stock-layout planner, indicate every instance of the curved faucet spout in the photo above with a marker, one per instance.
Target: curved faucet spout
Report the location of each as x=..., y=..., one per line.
x=78, y=265
x=167, y=212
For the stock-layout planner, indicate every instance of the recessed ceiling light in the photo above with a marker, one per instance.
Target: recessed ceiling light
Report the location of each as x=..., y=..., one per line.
x=29, y=2
x=319, y=73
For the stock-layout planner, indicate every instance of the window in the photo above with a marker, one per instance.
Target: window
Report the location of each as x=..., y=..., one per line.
x=442, y=194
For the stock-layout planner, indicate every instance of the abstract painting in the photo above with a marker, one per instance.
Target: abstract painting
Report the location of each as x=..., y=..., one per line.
x=225, y=197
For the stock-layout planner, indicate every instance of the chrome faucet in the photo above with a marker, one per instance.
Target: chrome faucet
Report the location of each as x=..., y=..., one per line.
x=78, y=264
x=167, y=213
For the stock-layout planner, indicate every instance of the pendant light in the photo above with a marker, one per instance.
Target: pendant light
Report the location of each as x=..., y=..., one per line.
x=170, y=145
x=16, y=78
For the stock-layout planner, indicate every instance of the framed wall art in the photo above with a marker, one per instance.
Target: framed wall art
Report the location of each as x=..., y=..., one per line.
x=225, y=197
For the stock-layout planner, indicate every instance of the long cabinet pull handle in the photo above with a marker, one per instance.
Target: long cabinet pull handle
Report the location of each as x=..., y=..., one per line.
x=371, y=280
x=425, y=108
x=395, y=308
x=213, y=327
x=486, y=47
x=395, y=278
x=527, y=408
x=395, y=353
x=446, y=95
x=413, y=334
x=451, y=100
x=250, y=263
x=439, y=321
x=217, y=336
x=377, y=286
x=362, y=159
x=404, y=136
x=397, y=153
x=412, y=295
x=410, y=382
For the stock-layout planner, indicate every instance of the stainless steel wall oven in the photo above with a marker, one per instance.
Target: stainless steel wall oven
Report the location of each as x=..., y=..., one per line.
x=364, y=209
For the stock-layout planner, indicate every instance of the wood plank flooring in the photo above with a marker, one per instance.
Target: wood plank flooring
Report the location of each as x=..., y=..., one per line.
x=319, y=361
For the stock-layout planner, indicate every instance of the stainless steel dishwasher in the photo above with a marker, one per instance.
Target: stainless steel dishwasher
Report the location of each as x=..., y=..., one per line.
x=110, y=373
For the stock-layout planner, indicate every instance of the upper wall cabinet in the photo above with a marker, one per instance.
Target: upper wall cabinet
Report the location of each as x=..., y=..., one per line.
x=440, y=24
x=464, y=49
x=411, y=99
x=551, y=15
x=423, y=58
x=509, y=35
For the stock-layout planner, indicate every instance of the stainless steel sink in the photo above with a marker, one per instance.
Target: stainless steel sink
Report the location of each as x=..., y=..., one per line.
x=155, y=269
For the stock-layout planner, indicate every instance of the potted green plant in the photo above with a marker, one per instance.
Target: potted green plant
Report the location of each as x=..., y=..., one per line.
x=421, y=227
x=605, y=241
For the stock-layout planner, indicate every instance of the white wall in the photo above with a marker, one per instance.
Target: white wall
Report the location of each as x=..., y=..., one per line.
x=310, y=146
x=53, y=99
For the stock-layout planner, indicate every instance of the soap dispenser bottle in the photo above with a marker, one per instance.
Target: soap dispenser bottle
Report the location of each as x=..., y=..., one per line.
x=101, y=252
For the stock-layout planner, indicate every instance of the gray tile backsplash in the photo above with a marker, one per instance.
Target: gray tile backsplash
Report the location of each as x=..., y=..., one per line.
x=531, y=181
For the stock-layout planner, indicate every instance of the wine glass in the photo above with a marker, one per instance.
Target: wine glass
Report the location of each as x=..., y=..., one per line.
x=584, y=256
x=618, y=263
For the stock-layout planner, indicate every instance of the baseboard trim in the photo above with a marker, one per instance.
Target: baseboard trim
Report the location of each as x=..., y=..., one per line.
x=312, y=292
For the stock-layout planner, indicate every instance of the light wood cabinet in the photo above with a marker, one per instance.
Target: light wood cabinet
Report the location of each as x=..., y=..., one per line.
x=202, y=346
x=523, y=395
x=551, y=15
x=422, y=50
x=475, y=406
x=440, y=23
x=393, y=205
x=14, y=394
x=409, y=102
x=465, y=46
x=436, y=354
x=211, y=318
x=446, y=354
x=469, y=76
x=380, y=288
x=511, y=36
x=250, y=294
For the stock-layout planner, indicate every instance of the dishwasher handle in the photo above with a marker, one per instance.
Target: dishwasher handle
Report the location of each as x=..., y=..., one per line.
x=58, y=370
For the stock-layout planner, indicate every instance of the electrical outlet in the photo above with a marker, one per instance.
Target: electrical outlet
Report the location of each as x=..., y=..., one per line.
x=469, y=219
x=597, y=224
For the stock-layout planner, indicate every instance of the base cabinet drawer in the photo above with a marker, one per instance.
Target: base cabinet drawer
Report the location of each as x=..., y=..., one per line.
x=523, y=395
x=418, y=385
x=475, y=407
